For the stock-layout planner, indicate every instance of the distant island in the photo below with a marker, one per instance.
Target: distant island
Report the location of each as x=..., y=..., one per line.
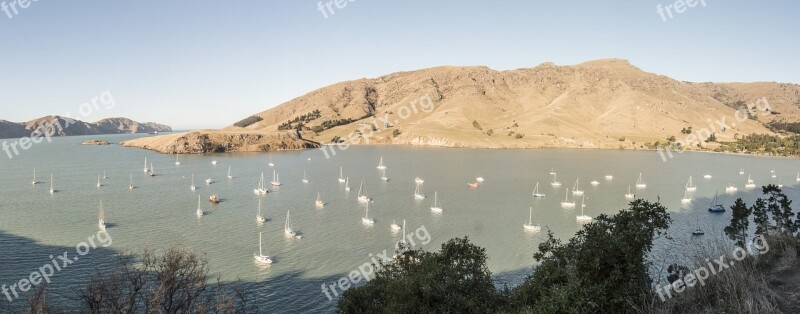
x=95, y=142
x=71, y=127
x=605, y=103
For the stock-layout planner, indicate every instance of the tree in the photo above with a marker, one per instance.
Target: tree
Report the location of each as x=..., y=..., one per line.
x=760, y=217
x=779, y=207
x=740, y=223
x=476, y=125
x=396, y=133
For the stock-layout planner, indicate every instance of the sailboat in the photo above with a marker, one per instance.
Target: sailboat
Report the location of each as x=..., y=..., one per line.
x=479, y=179
x=101, y=218
x=98, y=181
x=640, y=183
x=566, y=203
x=260, y=218
x=305, y=179
x=214, y=162
x=395, y=227
x=435, y=207
x=716, y=207
x=381, y=166
x=52, y=190
x=34, y=182
x=773, y=173
x=609, y=177
x=731, y=188
x=271, y=164
x=741, y=171
x=698, y=232
x=287, y=227
x=366, y=220
x=230, y=175
x=341, y=178
x=536, y=191
x=152, y=170
x=261, y=258
x=200, y=212
x=383, y=175
x=555, y=183
x=583, y=217
x=594, y=183
x=750, y=184
x=798, y=177
x=686, y=199
x=417, y=194
x=707, y=176
x=418, y=180
x=576, y=189
x=145, y=166
x=362, y=197
x=177, y=160
x=319, y=202
x=689, y=186
x=529, y=226
x=260, y=190
x=130, y=184
x=347, y=184
x=275, y=178
x=209, y=181
x=780, y=182
x=193, y=187
x=629, y=195
x=552, y=171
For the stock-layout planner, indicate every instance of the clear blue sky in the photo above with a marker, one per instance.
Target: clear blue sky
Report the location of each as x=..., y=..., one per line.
x=206, y=64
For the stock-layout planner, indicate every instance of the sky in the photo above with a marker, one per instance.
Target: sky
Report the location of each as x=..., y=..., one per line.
x=207, y=64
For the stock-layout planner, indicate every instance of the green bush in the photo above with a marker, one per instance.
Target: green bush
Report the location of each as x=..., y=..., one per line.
x=248, y=121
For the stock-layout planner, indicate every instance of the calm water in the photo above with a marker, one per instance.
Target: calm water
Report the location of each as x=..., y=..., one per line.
x=161, y=211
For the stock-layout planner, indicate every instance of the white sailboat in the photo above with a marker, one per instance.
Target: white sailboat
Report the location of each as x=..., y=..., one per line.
x=780, y=182
x=146, y=170
x=435, y=207
x=707, y=176
x=271, y=164
x=418, y=180
x=362, y=191
x=383, y=175
x=566, y=203
x=716, y=207
x=750, y=184
x=629, y=195
x=773, y=173
x=319, y=201
x=381, y=166
x=98, y=181
x=529, y=226
x=261, y=258
x=104, y=175
x=130, y=183
x=479, y=179
x=583, y=217
x=609, y=177
x=209, y=181
x=261, y=189
x=741, y=171
x=366, y=220
x=101, y=223
x=34, y=182
x=576, y=188
x=287, y=227
x=730, y=189
x=536, y=191
x=200, y=212
x=555, y=183
x=260, y=218
x=690, y=186
x=193, y=187
x=594, y=183
x=417, y=194
x=214, y=162
x=640, y=183
x=152, y=170
x=305, y=179
x=230, y=175
x=177, y=160
x=798, y=177
x=341, y=177
x=686, y=199
x=395, y=227
x=52, y=190
x=347, y=184
x=552, y=171
x=276, y=181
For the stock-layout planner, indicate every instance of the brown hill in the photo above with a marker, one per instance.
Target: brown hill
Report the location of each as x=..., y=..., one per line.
x=72, y=127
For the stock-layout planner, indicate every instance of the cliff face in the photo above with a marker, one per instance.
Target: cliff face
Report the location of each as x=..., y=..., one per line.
x=72, y=127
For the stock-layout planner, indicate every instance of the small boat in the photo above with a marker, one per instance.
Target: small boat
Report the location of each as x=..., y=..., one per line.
x=261, y=258
x=209, y=181
x=177, y=160
x=773, y=173
x=319, y=202
x=640, y=183
x=341, y=178
x=34, y=182
x=152, y=172
x=214, y=162
x=698, y=232
x=566, y=203
x=52, y=190
x=741, y=171
x=200, y=212
x=716, y=207
x=552, y=171
x=383, y=175
x=260, y=190
x=609, y=177
x=594, y=183
x=276, y=181
x=418, y=180
x=230, y=175
x=780, y=182
x=130, y=184
x=366, y=220
x=555, y=183
x=98, y=181
x=686, y=199
x=529, y=226
x=395, y=227
x=146, y=169
x=536, y=191
x=474, y=185
x=260, y=218
x=417, y=194
x=435, y=207
x=102, y=218
x=690, y=186
x=707, y=176
x=104, y=175
x=347, y=184
x=750, y=183
x=381, y=166
x=193, y=187
x=305, y=180
x=287, y=227
x=731, y=188
x=213, y=199
x=479, y=179
x=271, y=164
x=362, y=193
x=583, y=217
x=798, y=177
x=629, y=195
x=576, y=189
